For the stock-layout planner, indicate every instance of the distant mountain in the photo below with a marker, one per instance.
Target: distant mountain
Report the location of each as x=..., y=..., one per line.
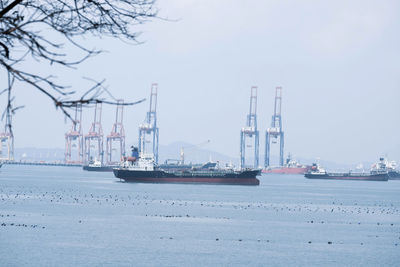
x=197, y=154
x=192, y=153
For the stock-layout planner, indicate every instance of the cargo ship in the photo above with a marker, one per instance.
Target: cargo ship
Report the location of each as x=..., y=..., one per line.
x=291, y=167
x=317, y=172
x=144, y=170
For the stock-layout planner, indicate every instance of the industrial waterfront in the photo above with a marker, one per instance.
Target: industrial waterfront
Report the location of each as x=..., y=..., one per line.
x=62, y=216
x=82, y=149
x=88, y=150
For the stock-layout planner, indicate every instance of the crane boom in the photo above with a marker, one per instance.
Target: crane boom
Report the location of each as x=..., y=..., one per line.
x=182, y=154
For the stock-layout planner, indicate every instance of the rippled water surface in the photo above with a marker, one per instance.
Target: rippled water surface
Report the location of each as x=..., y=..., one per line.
x=63, y=216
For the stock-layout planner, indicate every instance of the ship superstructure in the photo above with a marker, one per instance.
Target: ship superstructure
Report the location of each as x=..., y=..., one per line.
x=384, y=165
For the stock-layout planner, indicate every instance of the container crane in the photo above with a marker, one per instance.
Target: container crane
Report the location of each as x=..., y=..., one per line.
x=117, y=135
x=74, y=139
x=250, y=131
x=7, y=140
x=149, y=127
x=275, y=132
x=95, y=135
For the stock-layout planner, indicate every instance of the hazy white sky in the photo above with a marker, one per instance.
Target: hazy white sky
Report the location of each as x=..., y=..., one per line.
x=337, y=61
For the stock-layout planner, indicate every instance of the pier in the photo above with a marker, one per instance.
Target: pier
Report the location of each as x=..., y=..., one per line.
x=42, y=163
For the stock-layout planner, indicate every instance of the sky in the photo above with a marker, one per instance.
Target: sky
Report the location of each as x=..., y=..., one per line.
x=338, y=63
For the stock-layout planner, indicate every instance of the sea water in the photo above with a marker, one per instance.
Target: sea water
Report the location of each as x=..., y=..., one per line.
x=64, y=216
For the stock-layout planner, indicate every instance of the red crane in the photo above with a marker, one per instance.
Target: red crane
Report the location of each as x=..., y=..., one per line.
x=74, y=139
x=117, y=135
x=94, y=139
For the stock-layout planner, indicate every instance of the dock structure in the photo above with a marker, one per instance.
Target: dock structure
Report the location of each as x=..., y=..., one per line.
x=250, y=132
x=275, y=132
x=9, y=162
x=149, y=127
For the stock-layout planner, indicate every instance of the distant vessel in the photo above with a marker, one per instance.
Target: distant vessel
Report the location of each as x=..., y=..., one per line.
x=144, y=170
x=317, y=172
x=291, y=167
x=97, y=166
x=389, y=166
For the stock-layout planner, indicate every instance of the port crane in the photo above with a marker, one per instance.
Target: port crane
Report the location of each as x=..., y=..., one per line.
x=95, y=135
x=275, y=132
x=117, y=135
x=149, y=127
x=250, y=131
x=74, y=139
x=7, y=140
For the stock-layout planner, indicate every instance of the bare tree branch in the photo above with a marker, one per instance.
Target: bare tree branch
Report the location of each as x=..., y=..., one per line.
x=9, y=7
x=26, y=27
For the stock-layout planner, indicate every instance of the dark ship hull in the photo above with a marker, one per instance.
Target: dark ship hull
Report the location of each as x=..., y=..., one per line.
x=98, y=168
x=246, y=177
x=349, y=176
x=394, y=175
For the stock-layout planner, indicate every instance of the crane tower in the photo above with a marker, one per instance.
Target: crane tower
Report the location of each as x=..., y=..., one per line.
x=275, y=132
x=117, y=135
x=95, y=135
x=74, y=139
x=149, y=127
x=7, y=140
x=250, y=131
